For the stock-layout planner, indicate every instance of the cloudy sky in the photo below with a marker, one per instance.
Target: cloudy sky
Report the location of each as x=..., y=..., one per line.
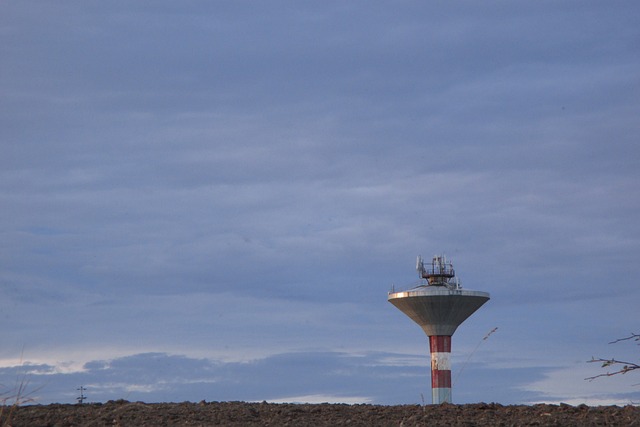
x=211, y=200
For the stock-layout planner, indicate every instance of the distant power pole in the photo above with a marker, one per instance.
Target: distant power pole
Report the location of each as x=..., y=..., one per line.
x=82, y=397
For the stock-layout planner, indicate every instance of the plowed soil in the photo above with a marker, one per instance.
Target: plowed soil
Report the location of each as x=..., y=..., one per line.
x=124, y=413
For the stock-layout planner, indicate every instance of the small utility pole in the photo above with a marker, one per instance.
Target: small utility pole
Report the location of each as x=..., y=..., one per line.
x=82, y=397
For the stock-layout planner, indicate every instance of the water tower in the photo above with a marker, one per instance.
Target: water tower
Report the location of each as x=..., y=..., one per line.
x=439, y=305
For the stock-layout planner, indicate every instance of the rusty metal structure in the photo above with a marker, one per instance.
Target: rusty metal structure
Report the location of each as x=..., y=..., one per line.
x=438, y=304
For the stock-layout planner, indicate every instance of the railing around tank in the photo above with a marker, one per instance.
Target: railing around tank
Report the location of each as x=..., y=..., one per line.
x=423, y=283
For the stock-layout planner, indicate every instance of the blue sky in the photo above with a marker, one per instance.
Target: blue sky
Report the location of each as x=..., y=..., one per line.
x=211, y=200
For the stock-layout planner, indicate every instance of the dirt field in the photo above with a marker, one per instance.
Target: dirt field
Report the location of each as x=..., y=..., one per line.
x=124, y=413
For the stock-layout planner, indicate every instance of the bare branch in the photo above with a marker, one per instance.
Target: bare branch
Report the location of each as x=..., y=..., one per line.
x=621, y=366
x=626, y=367
x=632, y=336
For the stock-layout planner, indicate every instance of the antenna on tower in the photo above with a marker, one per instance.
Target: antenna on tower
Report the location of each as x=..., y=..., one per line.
x=420, y=266
x=439, y=273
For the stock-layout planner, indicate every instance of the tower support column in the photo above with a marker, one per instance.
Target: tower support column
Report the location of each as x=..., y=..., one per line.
x=440, y=347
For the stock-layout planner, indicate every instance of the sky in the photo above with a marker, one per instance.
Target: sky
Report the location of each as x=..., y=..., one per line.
x=210, y=200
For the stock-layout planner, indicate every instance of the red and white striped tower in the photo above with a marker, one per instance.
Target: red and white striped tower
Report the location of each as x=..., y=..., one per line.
x=439, y=306
x=440, y=346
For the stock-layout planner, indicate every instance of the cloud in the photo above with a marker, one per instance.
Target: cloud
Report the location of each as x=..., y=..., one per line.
x=313, y=377
x=560, y=385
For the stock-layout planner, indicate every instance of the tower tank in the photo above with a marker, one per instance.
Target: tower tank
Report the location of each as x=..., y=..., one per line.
x=439, y=305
